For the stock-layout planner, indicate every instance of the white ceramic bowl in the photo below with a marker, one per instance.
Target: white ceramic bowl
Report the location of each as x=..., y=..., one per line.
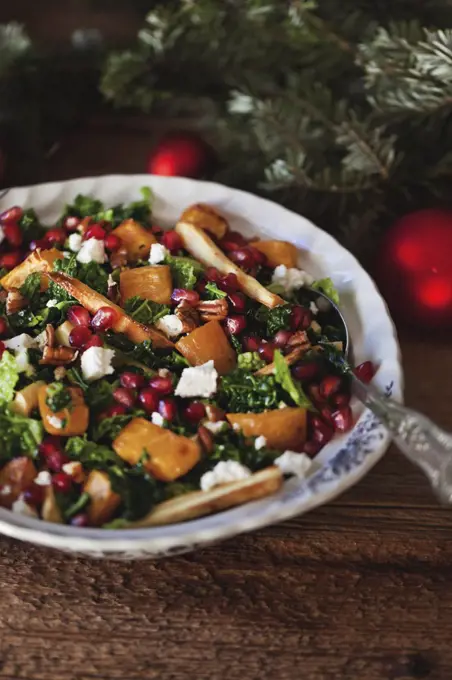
x=342, y=463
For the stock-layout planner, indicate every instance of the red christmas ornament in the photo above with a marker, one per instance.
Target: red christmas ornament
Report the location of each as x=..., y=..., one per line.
x=182, y=154
x=414, y=269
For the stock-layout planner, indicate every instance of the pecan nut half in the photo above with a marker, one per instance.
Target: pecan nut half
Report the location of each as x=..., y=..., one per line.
x=50, y=335
x=58, y=356
x=213, y=310
x=15, y=301
x=206, y=439
x=188, y=316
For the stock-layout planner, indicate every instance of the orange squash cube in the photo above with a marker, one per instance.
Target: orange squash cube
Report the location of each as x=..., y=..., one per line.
x=283, y=428
x=278, y=252
x=68, y=422
x=207, y=218
x=104, y=500
x=208, y=342
x=150, y=283
x=135, y=239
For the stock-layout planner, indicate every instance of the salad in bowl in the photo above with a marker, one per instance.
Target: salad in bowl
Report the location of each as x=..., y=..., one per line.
x=150, y=376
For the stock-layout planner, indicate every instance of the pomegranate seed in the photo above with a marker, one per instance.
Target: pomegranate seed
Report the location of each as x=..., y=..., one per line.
x=94, y=231
x=330, y=385
x=124, y=396
x=2, y=348
x=13, y=234
x=38, y=243
x=251, y=343
x=131, y=380
x=11, y=215
x=238, y=303
x=236, y=237
x=182, y=294
x=228, y=283
x=104, y=319
x=321, y=432
x=79, y=316
x=228, y=245
x=194, y=412
x=300, y=318
x=56, y=460
x=95, y=341
x=212, y=274
x=341, y=399
x=71, y=223
x=149, y=399
x=282, y=338
x=201, y=287
x=50, y=445
x=3, y=325
x=34, y=495
x=112, y=411
x=242, y=257
x=162, y=385
x=11, y=260
x=258, y=257
x=311, y=448
x=79, y=336
x=168, y=408
x=55, y=236
x=266, y=351
x=342, y=419
x=365, y=371
x=112, y=242
x=305, y=371
x=80, y=520
x=62, y=482
x=172, y=241
x=235, y=324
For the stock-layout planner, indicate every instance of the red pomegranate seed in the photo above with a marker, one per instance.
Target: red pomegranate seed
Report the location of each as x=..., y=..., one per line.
x=55, y=236
x=38, y=243
x=212, y=274
x=228, y=244
x=282, y=338
x=242, y=257
x=124, y=396
x=321, y=432
x=300, y=318
x=94, y=231
x=168, y=408
x=112, y=242
x=311, y=448
x=228, y=283
x=341, y=399
x=330, y=385
x=13, y=234
x=305, y=371
x=194, y=412
x=131, y=380
x=11, y=260
x=95, y=341
x=238, y=303
x=79, y=336
x=365, y=371
x=251, y=343
x=79, y=316
x=71, y=223
x=62, y=482
x=236, y=237
x=201, y=287
x=3, y=325
x=80, y=520
x=104, y=319
x=34, y=495
x=11, y=215
x=235, y=324
x=258, y=257
x=172, y=241
x=162, y=385
x=50, y=445
x=266, y=351
x=149, y=399
x=2, y=348
x=342, y=419
x=112, y=411
x=56, y=460
x=182, y=294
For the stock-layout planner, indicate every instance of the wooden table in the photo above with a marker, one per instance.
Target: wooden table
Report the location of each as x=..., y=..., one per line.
x=358, y=590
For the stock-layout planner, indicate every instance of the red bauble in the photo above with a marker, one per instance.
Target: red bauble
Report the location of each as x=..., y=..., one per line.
x=182, y=154
x=414, y=269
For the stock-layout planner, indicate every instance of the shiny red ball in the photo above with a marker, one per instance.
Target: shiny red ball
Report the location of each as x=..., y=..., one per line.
x=181, y=154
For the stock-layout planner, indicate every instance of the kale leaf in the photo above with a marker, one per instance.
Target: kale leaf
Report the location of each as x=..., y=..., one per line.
x=91, y=273
x=18, y=435
x=109, y=428
x=275, y=319
x=90, y=454
x=250, y=361
x=293, y=388
x=9, y=376
x=58, y=397
x=184, y=270
x=139, y=211
x=31, y=288
x=241, y=392
x=145, y=311
x=212, y=292
x=231, y=445
x=327, y=286
x=83, y=206
x=30, y=226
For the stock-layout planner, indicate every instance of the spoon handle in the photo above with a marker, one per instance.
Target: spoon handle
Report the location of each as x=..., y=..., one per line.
x=424, y=443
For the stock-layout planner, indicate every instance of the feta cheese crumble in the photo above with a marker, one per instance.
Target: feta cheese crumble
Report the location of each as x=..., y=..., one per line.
x=224, y=472
x=292, y=463
x=290, y=278
x=260, y=443
x=55, y=422
x=198, y=381
x=314, y=309
x=157, y=419
x=23, y=364
x=20, y=342
x=74, y=242
x=96, y=362
x=170, y=325
x=23, y=508
x=158, y=253
x=44, y=478
x=52, y=303
x=217, y=427
x=92, y=250
x=111, y=282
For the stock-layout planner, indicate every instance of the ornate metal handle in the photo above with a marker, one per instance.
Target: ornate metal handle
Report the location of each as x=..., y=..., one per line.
x=424, y=443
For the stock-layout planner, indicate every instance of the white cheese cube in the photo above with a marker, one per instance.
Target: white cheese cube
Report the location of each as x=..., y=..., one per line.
x=96, y=363
x=92, y=250
x=158, y=253
x=198, y=381
x=224, y=472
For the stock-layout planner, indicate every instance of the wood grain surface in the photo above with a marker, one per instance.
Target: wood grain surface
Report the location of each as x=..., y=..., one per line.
x=358, y=590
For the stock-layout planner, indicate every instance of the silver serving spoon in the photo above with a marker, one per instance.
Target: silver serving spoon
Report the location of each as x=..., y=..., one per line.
x=420, y=440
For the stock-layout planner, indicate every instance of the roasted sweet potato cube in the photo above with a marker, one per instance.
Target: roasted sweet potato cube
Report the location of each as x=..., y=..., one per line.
x=165, y=455
x=104, y=500
x=283, y=428
x=278, y=252
x=149, y=283
x=206, y=217
x=37, y=261
x=135, y=239
x=26, y=400
x=15, y=477
x=69, y=421
x=208, y=342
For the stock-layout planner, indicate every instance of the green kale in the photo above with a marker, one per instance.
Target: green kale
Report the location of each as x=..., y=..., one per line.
x=26, y=319
x=75, y=377
x=9, y=376
x=30, y=226
x=138, y=490
x=231, y=445
x=145, y=311
x=31, y=288
x=83, y=206
x=58, y=397
x=212, y=292
x=90, y=454
x=140, y=211
x=275, y=319
x=18, y=435
x=109, y=428
x=327, y=286
x=184, y=270
x=250, y=361
x=293, y=388
x=99, y=395
x=241, y=392
x=91, y=273
x=235, y=342
x=74, y=506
